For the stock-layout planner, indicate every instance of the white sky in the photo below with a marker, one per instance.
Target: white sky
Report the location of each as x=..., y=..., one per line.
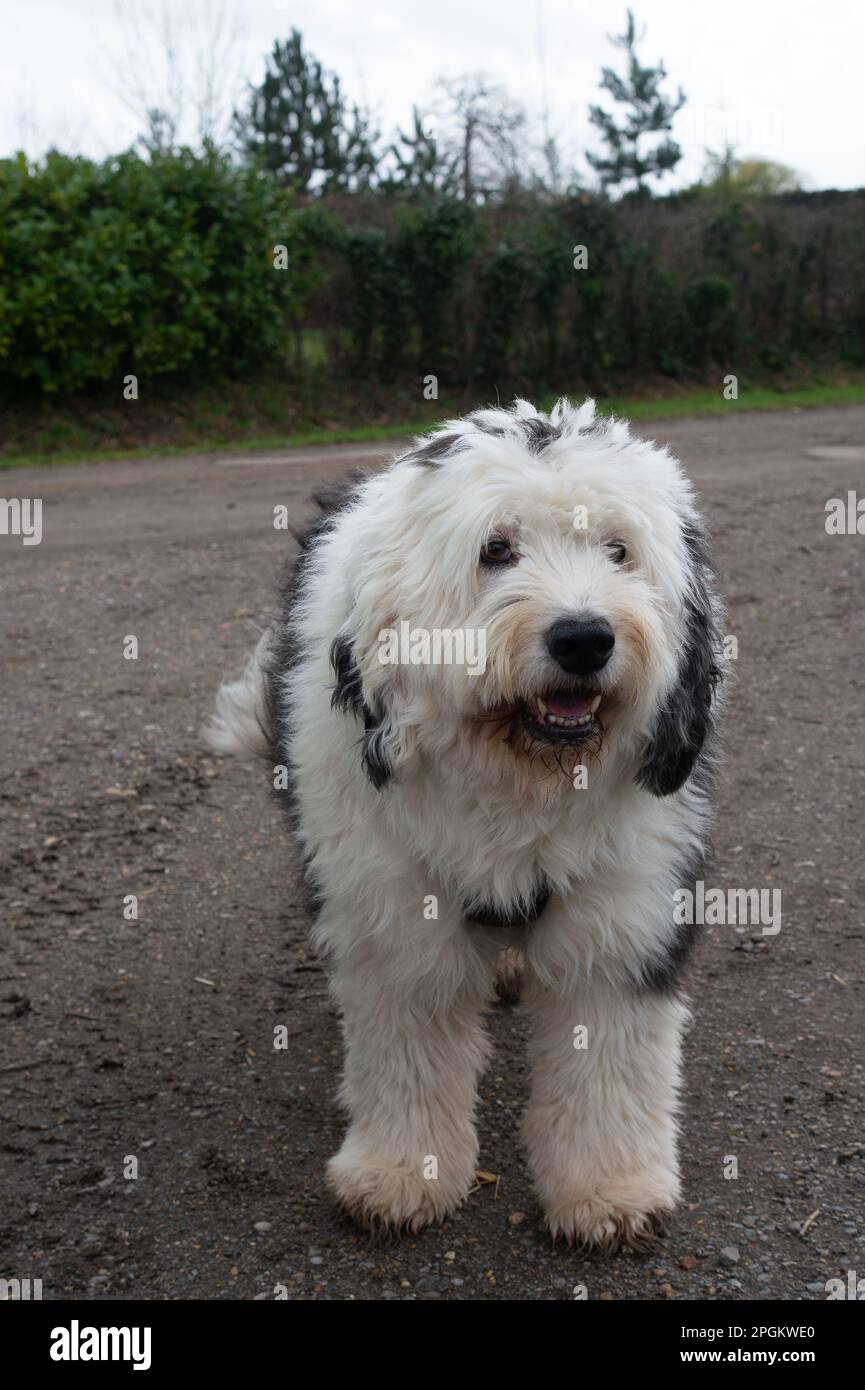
x=781, y=78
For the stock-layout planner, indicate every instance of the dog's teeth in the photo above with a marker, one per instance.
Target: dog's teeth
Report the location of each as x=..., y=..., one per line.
x=595, y=703
x=563, y=722
x=542, y=707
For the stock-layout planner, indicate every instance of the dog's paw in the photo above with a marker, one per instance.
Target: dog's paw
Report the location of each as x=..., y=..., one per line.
x=627, y=1215
x=385, y=1196
x=593, y=1226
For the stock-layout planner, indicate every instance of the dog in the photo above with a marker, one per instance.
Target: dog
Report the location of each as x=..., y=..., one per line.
x=547, y=800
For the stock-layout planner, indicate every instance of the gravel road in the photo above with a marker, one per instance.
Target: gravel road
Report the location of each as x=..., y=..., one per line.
x=148, y=1045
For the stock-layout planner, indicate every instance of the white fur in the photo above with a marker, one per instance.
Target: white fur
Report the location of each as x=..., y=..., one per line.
x=467, y=818
x=239, y=720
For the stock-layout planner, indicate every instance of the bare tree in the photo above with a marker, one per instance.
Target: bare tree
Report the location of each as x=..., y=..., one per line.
x=178, y=70
x=217, y=59
x=484, y=123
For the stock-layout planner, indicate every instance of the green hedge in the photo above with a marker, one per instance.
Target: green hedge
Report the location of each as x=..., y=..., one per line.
x=156, y=267
x=163, y=267
x=491, y=298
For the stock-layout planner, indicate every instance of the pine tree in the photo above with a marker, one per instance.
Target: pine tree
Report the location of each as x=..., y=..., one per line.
x=420, y=166
x=299, y=126
x=647, y=112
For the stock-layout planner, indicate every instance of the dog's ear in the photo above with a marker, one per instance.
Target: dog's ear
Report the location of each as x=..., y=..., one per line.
x=384, y=744
x=686, y=721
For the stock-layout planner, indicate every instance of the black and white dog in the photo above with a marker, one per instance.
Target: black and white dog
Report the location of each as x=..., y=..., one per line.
x=493, y=681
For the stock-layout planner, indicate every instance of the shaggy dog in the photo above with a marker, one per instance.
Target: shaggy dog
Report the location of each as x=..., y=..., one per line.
x=549, y=798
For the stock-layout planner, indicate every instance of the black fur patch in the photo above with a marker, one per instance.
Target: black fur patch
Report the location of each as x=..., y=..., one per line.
x=662, y=973
x=520, y=914
x=348, y=696
x=681, y=731
x=284, y=654
x=376, y=761
x=437, y=449
x=539, y=433
x=483, y=428
x=331, y=501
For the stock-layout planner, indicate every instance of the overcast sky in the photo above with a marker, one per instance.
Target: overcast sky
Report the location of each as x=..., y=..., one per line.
x=780, y=78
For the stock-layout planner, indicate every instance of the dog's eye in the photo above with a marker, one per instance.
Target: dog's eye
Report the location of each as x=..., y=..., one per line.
x=497, y=551
x=617, y=551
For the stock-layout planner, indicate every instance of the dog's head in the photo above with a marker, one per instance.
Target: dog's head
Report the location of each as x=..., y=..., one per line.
x=538, y=582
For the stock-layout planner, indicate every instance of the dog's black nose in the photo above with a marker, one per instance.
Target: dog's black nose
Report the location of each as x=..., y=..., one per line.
x=581, y=646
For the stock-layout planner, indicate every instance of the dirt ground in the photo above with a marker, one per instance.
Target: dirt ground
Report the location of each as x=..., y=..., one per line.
x=152, y=1040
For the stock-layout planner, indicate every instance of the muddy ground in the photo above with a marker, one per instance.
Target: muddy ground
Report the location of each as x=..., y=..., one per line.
x=153, y=1040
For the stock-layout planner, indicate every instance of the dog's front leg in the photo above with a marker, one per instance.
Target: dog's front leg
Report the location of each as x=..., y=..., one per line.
x=413, y=1056
x=601, y=1126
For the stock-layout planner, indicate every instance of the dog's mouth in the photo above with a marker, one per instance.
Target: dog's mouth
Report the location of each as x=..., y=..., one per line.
x=562, y=716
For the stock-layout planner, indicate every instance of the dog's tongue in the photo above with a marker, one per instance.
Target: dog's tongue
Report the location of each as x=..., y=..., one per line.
x=568, y=706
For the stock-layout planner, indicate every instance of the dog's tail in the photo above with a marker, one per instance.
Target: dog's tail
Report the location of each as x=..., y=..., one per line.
x=241, y=720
